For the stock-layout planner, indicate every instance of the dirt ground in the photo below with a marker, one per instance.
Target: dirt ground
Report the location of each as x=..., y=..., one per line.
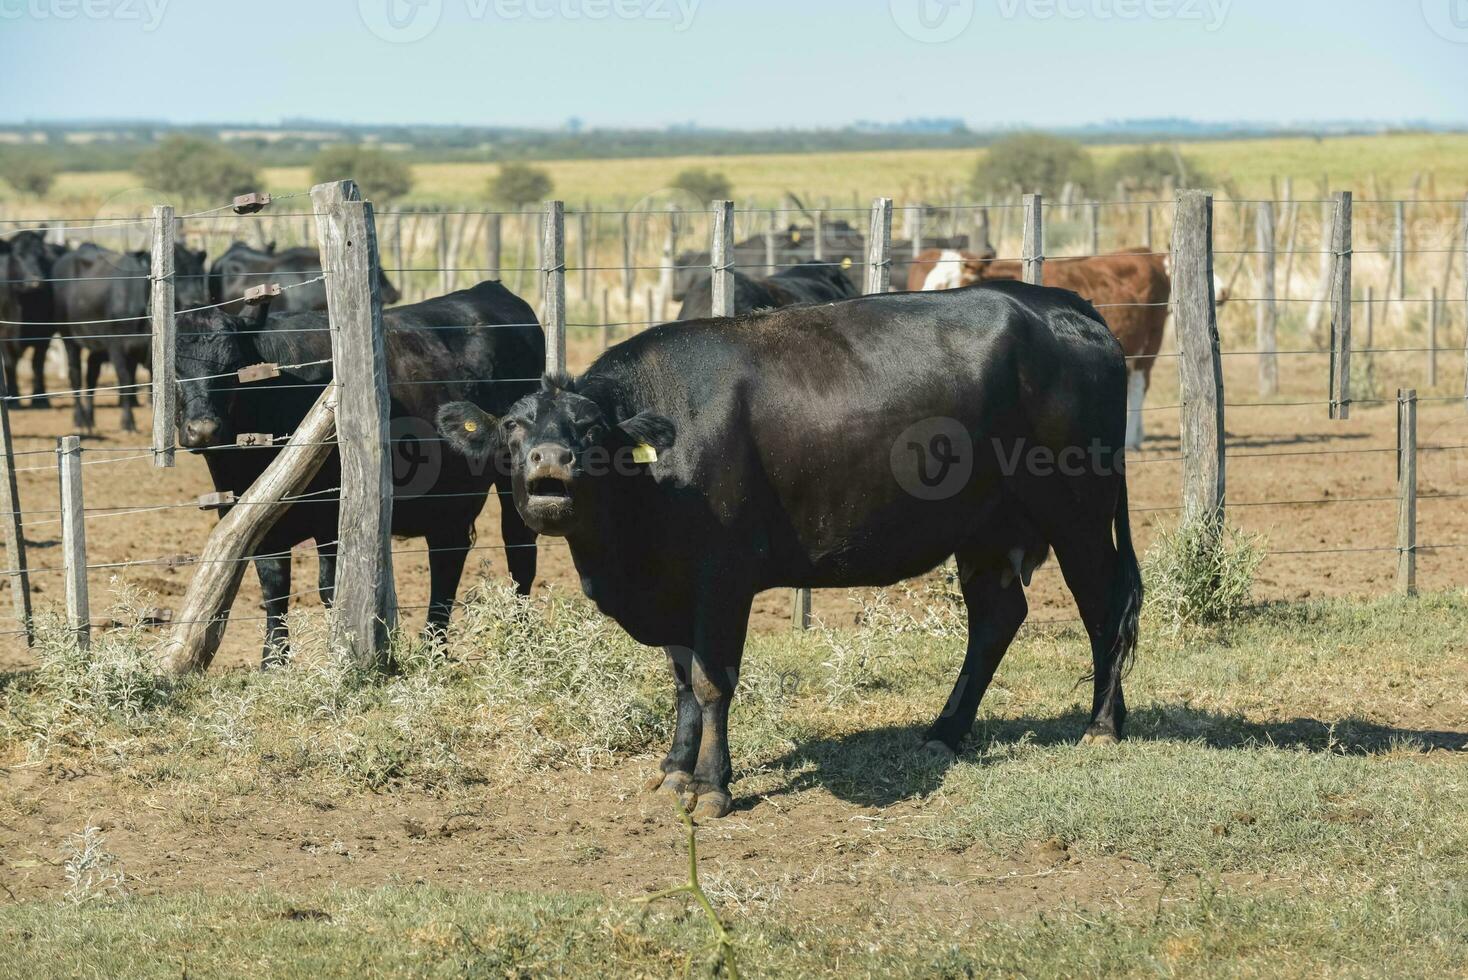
x=1285, y=452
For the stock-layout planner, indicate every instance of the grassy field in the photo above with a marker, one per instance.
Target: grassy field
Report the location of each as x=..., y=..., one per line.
x=1349, y=162
x=1289, y=803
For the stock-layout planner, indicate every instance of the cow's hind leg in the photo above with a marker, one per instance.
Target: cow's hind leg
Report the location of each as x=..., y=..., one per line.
x=275, y=587
x=39, y=398
x=995, y=598
x=122, y=366
x=677, y=768
x=1098, y=578
x=81, y=407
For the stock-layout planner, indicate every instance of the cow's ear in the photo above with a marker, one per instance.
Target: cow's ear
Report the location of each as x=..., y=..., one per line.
x=469, y=431
x=650, y=429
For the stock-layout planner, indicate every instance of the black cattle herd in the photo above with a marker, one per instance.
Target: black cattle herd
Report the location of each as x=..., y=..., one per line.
x=816, y=439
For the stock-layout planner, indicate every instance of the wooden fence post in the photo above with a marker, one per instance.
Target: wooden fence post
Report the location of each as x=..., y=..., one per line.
x=818, y=235
x=627, y=277
x=981, y=236
x=879, y=248
x=493, y=228
x=553, y=275
x=1399, y=252
x=1093, y=228
x=1202, y=367
x=1340, y=308
x=365, y=604
x=165, y=388
x=18, y=576
x=74, y=539
x=772, y=261
x=915, y=222
x=1266, y=333
x=721, y=258
x=1147, y=228
x=1434, y=309
x=1407, y=491
x=583, y=254
x=441, y=253
x=1032, y=250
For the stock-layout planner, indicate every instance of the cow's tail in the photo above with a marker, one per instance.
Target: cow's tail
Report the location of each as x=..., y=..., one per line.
x=1125, y=603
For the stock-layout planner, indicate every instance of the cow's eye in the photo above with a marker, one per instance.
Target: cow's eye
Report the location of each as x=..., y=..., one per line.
x=595, y=434
x=511, y=425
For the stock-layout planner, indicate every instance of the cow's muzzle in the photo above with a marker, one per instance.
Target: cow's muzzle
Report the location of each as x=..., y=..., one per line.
x=198, y=433
x=547, y=485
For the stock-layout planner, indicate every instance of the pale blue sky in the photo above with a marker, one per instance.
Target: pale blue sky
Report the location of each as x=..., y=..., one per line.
x=738, y=63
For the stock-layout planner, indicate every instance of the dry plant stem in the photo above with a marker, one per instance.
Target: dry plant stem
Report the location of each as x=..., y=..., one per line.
x=692, y=887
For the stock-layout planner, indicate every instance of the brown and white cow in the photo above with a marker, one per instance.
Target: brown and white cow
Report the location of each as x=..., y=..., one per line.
x=1130, y=289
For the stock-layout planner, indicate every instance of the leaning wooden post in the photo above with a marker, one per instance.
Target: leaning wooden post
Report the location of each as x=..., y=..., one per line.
x=18, y=577
x=365, y=603
x=721, y=258
x=1032, y=250
x=1340, y=308
x=1266, y=334
x=165, y=386
x=1407, y=491
x=205, y=614
x=74, y=538
x=1202, y=367
x=553, y=285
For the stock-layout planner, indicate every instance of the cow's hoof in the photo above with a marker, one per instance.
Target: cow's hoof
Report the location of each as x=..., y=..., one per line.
x=939, y=751
x=1100, y=738
x=667, y=782
x=711, y=805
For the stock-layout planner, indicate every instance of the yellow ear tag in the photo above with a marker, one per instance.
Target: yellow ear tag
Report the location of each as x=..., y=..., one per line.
x=644, y=454
x=846, y=262
x=795, y=236
x=471, y=426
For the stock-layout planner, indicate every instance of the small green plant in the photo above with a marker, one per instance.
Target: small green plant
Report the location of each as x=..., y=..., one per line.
x=1201, y=574
x=1366, y=385
x=519, y=184
x=722, y=937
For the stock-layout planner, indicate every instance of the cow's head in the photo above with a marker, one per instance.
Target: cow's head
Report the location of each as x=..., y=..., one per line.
x=387, y=290
x=977, y=265
x=30, y=262
x=190, y=284
x=567, y=450
x=209, y=344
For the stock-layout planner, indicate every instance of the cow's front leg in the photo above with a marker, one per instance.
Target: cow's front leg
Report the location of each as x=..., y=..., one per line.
x=717, y=651
x=677, y=768
x=275, y=589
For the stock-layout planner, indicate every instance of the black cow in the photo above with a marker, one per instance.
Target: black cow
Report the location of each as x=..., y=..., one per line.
x=241, y=267
x=102, y=301
x=850, y=444
x=29, y=271
x=811, y=282
x=481, y=344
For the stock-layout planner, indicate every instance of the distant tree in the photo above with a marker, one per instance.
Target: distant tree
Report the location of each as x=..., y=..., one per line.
x=29, y=173
x=380, y=176
x=1033, y=163
x=1147, y=168
x=704, y=185
x=196, y=169
x=519, y=184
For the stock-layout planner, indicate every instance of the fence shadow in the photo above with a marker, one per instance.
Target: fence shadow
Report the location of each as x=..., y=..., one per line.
x=1169, y=443
x=884, y=766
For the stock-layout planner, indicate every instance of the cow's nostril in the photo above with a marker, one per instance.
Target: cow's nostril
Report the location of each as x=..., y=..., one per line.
x=535, y=457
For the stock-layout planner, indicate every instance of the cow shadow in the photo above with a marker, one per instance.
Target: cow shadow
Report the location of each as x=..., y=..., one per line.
x=884, y=766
